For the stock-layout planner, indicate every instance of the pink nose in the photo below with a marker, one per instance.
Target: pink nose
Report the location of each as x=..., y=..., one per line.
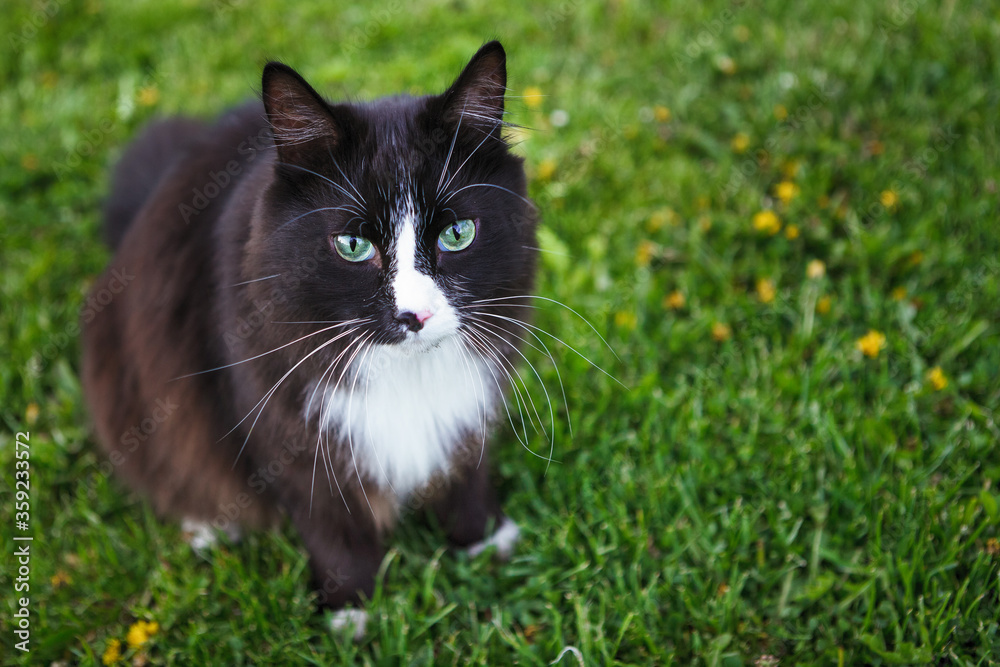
x=423, y=315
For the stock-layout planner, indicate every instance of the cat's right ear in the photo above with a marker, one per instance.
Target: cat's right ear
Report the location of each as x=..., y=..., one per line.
x=303, y=126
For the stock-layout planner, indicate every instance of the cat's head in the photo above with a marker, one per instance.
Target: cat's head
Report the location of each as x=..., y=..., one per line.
x=411, y=212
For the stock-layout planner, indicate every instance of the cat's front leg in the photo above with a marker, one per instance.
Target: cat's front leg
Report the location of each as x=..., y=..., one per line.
x=469, y=508
x=345, y=551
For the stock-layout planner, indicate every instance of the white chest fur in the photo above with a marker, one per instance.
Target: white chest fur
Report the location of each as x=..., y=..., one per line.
x=403, y=414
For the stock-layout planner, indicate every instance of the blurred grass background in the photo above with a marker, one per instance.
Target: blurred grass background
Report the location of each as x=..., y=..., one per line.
x=782, y=216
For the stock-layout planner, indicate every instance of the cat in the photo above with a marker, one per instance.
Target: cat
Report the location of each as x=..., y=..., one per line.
x=320, y=316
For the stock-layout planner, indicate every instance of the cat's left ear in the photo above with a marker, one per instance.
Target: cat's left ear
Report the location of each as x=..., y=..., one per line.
x=300, y=118
x=476, y=98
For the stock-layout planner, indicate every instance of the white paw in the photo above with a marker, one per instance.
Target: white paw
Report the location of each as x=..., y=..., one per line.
x=202, y=536
x=504, y=539
x=345, y=619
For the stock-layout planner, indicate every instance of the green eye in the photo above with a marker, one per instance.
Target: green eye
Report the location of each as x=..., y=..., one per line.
x=353, y=248
x=457, y=236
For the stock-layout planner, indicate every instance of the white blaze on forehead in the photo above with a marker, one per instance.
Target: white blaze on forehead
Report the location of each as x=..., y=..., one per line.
x=414, y=291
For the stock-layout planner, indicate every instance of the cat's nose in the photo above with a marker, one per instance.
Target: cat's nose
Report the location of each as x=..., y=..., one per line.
x=413, y=321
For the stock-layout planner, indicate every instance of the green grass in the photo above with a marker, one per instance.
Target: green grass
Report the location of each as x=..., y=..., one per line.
x=771, y=497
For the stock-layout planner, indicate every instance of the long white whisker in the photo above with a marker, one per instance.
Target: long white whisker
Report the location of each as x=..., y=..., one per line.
x=490, y=185
x=466, y=160
x=480, y=405
x=255, y=280
x=274, y=388
x=526, y=326
x=447, y=160
x=558, y=303
x=264, y=354
x=493, y=329
x=482, y=352
x=325, y=178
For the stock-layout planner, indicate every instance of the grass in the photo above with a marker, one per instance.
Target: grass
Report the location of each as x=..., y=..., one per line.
x=762, y=493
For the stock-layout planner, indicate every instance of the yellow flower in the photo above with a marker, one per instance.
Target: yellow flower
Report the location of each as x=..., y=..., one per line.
x=790, y=168
x=659, y=218
x=546, y=169
x=780, y=112
x=721, y=331
x=675, y=300
x=140, y=633
x=644, y=252
x=704, y=223
x=533, y=97
x=766, y=221
x=726, y=65
x=113, y=653
x=29, y=162
x=871, y=343
x=898, y=293
x=823, y=305
x=889, y=198
x=31, y=414
x=149, y=96
x=626, y=319
x=916, y=257
x=765, y=290
x=937, y=378
x=59, y=578
x=740, y=142
x=741, y=33
x=661, y=113
x=786, y=191
x=815, y=269
x=823, y=201
x=792, y=232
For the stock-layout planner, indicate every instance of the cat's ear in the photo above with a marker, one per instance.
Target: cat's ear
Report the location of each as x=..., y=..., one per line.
x=476, y=97
x=300, y=119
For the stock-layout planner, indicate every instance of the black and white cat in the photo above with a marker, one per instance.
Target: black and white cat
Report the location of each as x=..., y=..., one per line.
x=328, y=297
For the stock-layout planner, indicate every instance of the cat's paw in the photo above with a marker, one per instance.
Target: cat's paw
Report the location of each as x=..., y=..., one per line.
x=202, y=536
x=504, y=539
x=350, y=620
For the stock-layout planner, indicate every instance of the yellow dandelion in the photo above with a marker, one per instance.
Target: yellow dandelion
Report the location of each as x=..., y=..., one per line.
x=898, y=293
x=915, y=258
x=644, y=252
x=547, y=169
x=31, y=414
x=889, y=199
x=626, y=319
x=726, y=65
x=786, y=191
x=740, y=142
x=533, y=97
x=113, y=653
x=815, y=269
x=871, y=343
x=704, y=223
x=937, y=378
x=741, y=33
x=993, y=546
x=721, y=332
x=664, y=216
x=766, y=221
x=661, y=113
x=140, y=632
x=790, y=168
x=780, y=112
x=765, y=290
x=675, y=300
x=149, y=96
x=792, y=232
x=823, y=305
x=58, y=579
